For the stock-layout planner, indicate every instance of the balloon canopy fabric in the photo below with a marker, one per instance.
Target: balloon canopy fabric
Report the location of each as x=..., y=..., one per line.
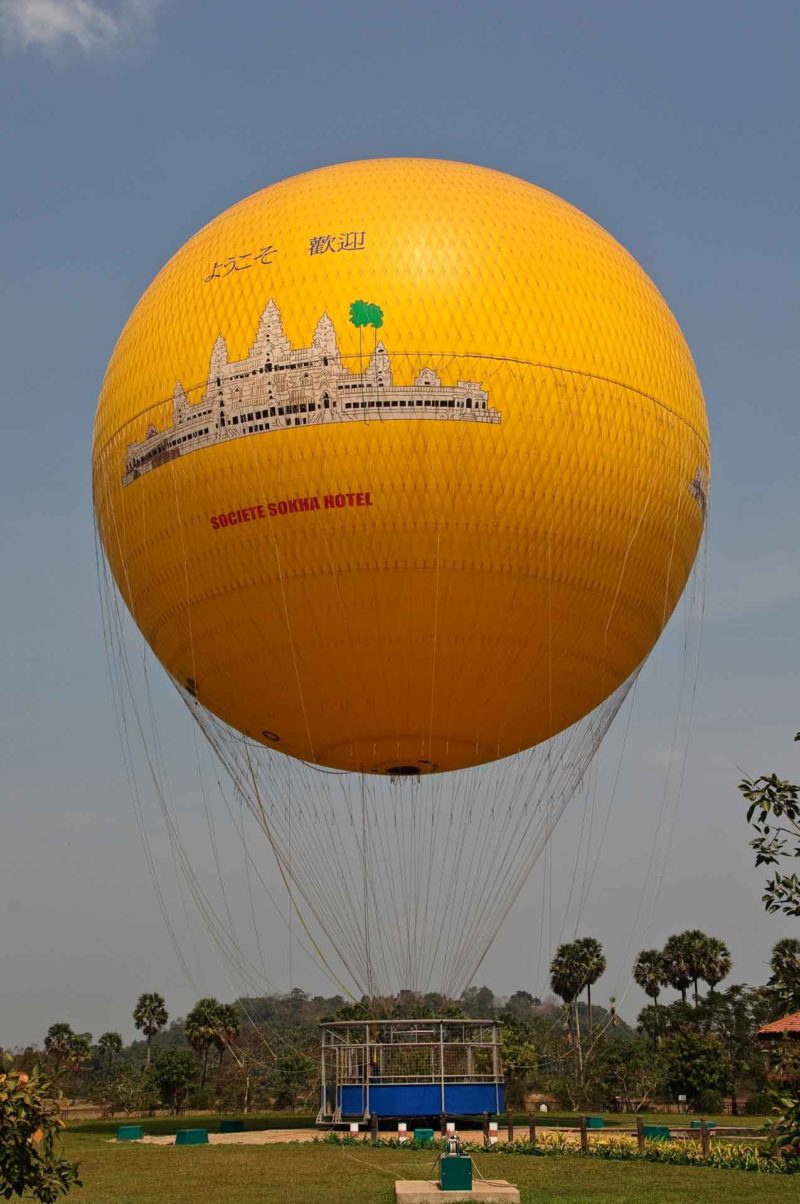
x=401, y=466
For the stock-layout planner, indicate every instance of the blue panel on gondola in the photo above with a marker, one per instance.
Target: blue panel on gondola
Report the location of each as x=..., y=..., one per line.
x=423, y=1099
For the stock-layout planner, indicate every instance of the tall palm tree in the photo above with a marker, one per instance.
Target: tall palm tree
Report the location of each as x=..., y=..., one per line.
x=696, y=952
x=202, y=1026
x=677, y=971
x=650, y=973
x=785, y=966
x=594, y=960
x=150, y=1016
x=109, y=1044
x=717, y=962
x=567, y=980
x=228, y=1028
x=58, y=1044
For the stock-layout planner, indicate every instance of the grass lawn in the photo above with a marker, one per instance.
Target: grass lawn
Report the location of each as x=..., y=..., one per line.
x=307, y=1174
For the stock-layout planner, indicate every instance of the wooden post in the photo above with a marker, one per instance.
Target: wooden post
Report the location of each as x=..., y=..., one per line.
x=704, y=1136
x=486, y=1128
x=443, y=1124
x=510, y=1127
x=373, y=1120
x=532, y=1128
x=584, y=1135
x=640, y=1133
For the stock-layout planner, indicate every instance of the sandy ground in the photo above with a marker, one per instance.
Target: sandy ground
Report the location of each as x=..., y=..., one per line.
x=276, y=1136
x=257, y=1137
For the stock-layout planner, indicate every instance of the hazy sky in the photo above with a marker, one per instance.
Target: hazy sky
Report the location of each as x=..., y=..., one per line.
x=128, y=125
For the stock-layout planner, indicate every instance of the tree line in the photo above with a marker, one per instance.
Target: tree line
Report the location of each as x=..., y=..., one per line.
x=262, y=1053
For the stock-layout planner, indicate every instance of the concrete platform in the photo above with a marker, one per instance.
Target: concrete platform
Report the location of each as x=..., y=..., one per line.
x=425, y=1191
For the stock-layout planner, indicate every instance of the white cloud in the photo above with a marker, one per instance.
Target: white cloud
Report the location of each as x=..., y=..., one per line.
x=53, y=24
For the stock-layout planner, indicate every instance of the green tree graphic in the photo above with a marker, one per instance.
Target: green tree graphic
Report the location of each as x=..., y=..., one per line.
x=364, y=313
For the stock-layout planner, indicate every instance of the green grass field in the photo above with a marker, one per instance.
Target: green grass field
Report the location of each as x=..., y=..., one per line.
x=322, y=1174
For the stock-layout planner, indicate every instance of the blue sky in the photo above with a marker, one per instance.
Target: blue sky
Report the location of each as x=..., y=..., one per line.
x=125, y=127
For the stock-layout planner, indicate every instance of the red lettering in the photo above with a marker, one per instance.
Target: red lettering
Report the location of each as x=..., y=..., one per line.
x=295, y=505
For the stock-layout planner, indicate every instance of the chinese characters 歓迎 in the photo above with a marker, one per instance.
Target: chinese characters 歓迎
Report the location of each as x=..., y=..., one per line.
x=351, y=240
x=237, y=263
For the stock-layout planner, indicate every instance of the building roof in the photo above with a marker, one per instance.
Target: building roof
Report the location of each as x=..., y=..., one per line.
x=786, y=1026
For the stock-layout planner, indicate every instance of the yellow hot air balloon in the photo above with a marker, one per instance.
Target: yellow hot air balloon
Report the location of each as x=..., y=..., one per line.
x=401, y=465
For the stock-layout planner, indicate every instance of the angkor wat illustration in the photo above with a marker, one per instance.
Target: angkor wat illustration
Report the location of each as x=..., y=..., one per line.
x=278, y=386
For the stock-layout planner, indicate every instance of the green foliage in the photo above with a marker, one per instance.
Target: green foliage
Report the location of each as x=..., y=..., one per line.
x=202, y=1027
x=150, y=1016
x=774, y=813
x=631, y=1072
x=65, y=1049
x=110, y=1046
x=787, y=1129
x=29, y=1129
x=676, y=965
x=174, y=1072
x=785, y=977
x=758, y=1104
x=709, y=1101
x=293, y=1079
x=211, y=1024
x=650, y=972
x=131, y=1089
x=518, y=1053
x=478, y=1003
x=739, y=1156
x=693, y=1063
x=364, y=313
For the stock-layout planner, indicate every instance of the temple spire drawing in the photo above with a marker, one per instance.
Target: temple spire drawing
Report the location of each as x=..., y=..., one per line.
x=277, y=387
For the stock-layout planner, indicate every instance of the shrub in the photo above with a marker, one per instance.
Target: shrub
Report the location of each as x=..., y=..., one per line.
x=759, y=1104
x=709, y=1101
x=29, y=1129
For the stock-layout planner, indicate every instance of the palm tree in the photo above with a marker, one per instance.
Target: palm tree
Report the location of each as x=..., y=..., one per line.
x=696, y=951
x=59, y=1044
x=567, y=980
x=785, y=966
x=150, y=1015
x=650, y=973
x=228, y=1028
x=595, y=963
x=202, y=1027
x=109, y=1044
x=677, y=970
x=717, y=962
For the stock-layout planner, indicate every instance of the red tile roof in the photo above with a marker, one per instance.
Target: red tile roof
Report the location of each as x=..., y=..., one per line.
x=788, y=1024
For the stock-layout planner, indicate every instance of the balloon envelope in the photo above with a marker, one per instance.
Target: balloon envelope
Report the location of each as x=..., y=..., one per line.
x=401, y=465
